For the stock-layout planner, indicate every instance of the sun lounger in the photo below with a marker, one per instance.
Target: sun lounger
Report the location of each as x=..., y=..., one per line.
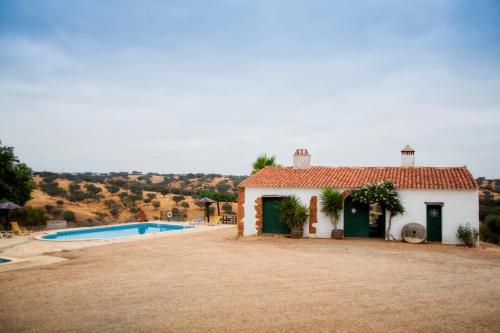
x=215, y=220
x=5, y=234
x=17, y=229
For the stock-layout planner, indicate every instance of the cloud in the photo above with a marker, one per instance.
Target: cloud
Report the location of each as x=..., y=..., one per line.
x=176, y=88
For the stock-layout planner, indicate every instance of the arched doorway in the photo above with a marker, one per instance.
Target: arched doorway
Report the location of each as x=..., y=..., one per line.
x=363, y=220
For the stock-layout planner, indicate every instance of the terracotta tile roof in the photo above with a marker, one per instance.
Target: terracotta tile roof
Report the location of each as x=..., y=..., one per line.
x=350, y=177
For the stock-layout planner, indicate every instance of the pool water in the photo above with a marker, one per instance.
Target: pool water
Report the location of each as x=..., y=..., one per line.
x=4, y=261
x=115, y=231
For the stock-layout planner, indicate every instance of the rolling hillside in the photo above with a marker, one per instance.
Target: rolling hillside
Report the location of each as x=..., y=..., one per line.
x=117, y=197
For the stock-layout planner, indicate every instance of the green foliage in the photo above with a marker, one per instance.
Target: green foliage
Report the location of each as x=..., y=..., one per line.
x=156, y=204
x=292, y=212
x=178, y=198
x=468, y=235
x=331, y=204
x=49, y=208
x=115, y=212
x=227, y=208
x=16, y=179
x=223, y=187
x=217, y=196
x=91, y=188
x=52, y=189
x=262, y=161
x=28, y=216
x=60, y=202
x=490, y=229
x=384, y=193
x=151, y=196
x=112, y=188
x=211, y=211
x=134, y=210
x=75, y=193
x=69, y=216
x=175, y=212
x=185, y=204
x=136, y=188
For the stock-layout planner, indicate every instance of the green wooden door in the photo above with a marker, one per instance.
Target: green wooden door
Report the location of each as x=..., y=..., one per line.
x=270, y=217
x=434, y=223
x=356, y=219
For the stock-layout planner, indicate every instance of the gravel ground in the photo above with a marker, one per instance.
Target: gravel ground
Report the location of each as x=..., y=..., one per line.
x=212, y=282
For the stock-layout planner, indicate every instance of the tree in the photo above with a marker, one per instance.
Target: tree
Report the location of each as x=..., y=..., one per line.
x=60, y=202
x=178, y=198
x=91, y=188
x=112, y=188
x=185, y=204
x=16, y=179
x=52, y=189
x=262, y=161
x=227, y=208
x=28, y=216
x=156, y=204
x=69, y=216
x=331, y=204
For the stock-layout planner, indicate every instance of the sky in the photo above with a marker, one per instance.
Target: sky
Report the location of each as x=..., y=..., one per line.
x=206, y=86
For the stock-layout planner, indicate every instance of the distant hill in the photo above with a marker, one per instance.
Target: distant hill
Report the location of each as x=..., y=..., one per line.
x=117, y=196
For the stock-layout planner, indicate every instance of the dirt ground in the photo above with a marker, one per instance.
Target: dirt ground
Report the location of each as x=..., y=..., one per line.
x=213, y=282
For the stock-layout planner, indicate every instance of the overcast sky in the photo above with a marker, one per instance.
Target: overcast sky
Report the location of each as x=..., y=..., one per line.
x=205, y=86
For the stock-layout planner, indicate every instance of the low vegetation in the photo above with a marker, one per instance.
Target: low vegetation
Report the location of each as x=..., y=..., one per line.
x=468, y=235
x=121, y=196
x=293, y=214
x=489, y=210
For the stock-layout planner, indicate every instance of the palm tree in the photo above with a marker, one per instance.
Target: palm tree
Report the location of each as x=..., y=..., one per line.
x=262, y=161
x=331, y=204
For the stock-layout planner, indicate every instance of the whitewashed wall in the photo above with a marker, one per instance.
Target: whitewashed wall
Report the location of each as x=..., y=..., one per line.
x=460, y=207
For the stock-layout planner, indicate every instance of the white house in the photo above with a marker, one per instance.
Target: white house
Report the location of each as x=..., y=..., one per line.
x=438, y=198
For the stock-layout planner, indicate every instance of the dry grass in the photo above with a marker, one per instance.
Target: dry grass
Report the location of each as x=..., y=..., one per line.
x=88, y=210
x=212, y=282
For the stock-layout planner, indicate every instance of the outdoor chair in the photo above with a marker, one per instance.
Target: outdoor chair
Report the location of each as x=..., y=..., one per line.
x=196, y=222
x=17, y=229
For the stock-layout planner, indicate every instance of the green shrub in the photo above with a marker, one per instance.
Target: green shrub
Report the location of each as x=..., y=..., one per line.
x=49, y=208
x=115, y=212
x=60, y=202
x=468, y=235
x=69, y=216
x=292, y=213
x=490, y=229
x=185, y=204
x=156, y=204
x=227, y=208
x=178, y=198
x=112, y=188
x=29, y=216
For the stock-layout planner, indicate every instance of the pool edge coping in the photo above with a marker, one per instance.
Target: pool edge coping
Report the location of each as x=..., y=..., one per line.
x=39, y=237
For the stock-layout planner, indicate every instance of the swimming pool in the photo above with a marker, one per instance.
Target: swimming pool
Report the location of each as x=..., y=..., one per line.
x=114, y=231
x=4, y=260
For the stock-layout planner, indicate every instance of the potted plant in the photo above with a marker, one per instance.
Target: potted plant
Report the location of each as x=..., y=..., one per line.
x=331, y=205
x=293, y=214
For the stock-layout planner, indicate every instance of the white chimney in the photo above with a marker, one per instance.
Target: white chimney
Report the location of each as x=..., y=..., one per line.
x=407, y=157
x=301, y=159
